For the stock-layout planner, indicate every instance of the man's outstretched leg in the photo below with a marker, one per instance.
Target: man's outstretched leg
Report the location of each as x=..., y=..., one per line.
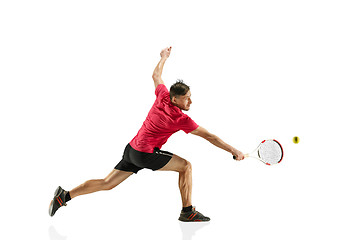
x=112, y=180
x=183, y=167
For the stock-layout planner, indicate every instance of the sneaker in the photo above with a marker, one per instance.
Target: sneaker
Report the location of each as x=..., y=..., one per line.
x=193, y=216
x=58, y=201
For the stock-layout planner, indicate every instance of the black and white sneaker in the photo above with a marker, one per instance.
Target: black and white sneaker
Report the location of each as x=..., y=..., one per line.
x=58, y=201
x=193, y=216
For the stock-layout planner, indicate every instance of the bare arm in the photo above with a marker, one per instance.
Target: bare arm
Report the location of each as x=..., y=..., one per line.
x=165, y=53
x=215, y=140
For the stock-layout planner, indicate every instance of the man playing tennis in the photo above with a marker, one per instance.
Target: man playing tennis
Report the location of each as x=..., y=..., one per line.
x=164, y=119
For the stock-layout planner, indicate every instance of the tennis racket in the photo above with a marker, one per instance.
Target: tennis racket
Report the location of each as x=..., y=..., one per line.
x=269, y=152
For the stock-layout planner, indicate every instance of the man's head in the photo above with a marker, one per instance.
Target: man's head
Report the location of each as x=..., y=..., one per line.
x=180, y=95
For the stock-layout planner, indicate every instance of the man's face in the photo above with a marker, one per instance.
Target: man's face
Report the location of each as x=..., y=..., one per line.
x=183, y=102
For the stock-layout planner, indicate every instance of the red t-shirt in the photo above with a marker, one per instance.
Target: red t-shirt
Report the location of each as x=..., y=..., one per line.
x=163, y=120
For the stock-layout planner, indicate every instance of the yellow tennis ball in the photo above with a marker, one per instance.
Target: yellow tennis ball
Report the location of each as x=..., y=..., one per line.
x=296, y=140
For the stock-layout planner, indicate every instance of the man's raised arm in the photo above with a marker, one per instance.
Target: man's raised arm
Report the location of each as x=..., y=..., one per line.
x=165, y=53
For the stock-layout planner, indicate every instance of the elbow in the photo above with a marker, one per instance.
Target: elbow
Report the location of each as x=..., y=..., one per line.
x=156, y=77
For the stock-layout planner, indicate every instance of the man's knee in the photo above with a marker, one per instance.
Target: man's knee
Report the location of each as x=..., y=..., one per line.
x=107, y=185
x=187, y=166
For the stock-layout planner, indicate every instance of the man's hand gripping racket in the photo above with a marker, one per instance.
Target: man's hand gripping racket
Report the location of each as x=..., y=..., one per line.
x=269, y=152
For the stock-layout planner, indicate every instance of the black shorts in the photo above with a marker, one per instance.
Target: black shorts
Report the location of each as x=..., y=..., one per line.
x=133, y=160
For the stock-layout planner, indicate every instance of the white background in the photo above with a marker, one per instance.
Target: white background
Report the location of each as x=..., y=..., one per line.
x=75, y=87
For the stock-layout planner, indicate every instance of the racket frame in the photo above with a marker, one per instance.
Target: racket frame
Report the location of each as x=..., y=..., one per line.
x=255, y=153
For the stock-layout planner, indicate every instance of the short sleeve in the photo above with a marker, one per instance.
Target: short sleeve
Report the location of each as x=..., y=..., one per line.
x=161, y=90
x=188, y=125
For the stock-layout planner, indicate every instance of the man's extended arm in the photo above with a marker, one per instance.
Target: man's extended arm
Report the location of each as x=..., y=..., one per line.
x=202, y=132
x=165, y=53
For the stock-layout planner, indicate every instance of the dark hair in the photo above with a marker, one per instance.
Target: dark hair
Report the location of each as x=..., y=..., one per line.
x=179, y=89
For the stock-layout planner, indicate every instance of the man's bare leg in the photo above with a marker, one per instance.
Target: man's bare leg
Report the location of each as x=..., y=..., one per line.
x=184, y=169
x=114, y=178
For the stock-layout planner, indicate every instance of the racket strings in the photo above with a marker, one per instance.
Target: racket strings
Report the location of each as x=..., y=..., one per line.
x=270, y=152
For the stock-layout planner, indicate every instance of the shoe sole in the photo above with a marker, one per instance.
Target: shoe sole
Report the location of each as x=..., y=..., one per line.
x=51, y=208
x=197, y=220
x=194, y=220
